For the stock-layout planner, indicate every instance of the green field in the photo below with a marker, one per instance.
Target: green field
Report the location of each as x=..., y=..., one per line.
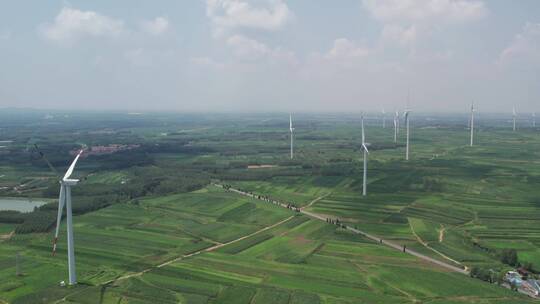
x=140, y=215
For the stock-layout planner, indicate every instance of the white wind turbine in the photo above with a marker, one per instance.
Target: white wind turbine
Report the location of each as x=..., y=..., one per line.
x=366, y=152
x=406, y=114
x=383, y=118
x=65, y=199
x=396, y=126
x=514, y=114
x=472, y=123
x=292, y=134
x=534, y=119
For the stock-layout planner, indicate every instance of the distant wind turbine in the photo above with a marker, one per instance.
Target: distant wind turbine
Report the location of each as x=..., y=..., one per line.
x=383, y=118
x=366, y=152
x=534, y=119
x=514, y=114
x=398, y=122
x=396, y=126
x=292, y=134
x=472, y=124
x=407, y=123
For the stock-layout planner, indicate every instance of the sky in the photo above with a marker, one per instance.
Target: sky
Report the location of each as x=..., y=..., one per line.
x=270, y=55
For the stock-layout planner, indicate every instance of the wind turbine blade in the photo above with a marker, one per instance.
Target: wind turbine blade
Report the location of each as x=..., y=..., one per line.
x=70, y=170
x=290, y=122
x=61, y=203
x=42, y=155
x=363, y=133
x=365, y=148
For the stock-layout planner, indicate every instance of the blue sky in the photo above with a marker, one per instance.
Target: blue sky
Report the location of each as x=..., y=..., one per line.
x=271, y=55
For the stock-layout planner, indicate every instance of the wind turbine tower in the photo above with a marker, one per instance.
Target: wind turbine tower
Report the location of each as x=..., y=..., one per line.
x=65, y=199
x=514, y=114
x=534, y=119
x=366, y=152
x=396, y=126
x=407, y=123
x=472, y=124
x=292, y=135
x=398, y=123
x=383, y=118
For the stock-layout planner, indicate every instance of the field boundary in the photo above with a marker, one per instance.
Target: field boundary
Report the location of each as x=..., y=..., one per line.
x=419, y=239
x=357, y=231
x=207, y=249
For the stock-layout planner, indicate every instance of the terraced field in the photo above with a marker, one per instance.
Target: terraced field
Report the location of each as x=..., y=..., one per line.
x=456, y=204
x=130, y=238
x=120, y=248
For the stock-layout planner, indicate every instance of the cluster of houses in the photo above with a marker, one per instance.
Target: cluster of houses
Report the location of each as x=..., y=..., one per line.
x=522, y=279
x=101, y=150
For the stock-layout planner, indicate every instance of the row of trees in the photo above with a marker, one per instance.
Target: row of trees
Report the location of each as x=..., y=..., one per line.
x=488, y=275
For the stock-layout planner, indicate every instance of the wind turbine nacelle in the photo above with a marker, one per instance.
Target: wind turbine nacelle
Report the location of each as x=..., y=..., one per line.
x=69, y=182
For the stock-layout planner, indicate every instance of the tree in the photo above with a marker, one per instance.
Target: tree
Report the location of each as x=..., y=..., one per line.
x=474, y=272
x=510, y=257
x=500, y=277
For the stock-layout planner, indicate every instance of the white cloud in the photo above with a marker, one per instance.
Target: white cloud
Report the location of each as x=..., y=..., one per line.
x=248, y=49
x=230, y=14
x=232, y=20
x=413, y=24
x=344, y=54
x=155, y=27
x=400, y=35
x=452, y=11
x=71, y=24
x=346, y=49
x=525, y=48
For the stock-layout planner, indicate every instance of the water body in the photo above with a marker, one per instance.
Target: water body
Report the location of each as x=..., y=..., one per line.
x=19, y=204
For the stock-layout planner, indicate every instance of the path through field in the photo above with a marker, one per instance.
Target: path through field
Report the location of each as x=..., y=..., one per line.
x=441, y=235
x=208, y=249
x=314, y=201
x=365, y=234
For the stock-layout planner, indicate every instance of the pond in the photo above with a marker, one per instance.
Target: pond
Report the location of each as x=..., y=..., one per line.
x=19, y=204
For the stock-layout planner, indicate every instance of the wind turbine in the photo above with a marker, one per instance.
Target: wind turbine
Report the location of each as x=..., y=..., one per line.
x=472, y=123
x=514, y=114
x=534, y=119
x=65, y=199
x=396, y=126
x=292, y=135
x=406, y=114
x=397, y=121
x=366, y=152
x=383, y=118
